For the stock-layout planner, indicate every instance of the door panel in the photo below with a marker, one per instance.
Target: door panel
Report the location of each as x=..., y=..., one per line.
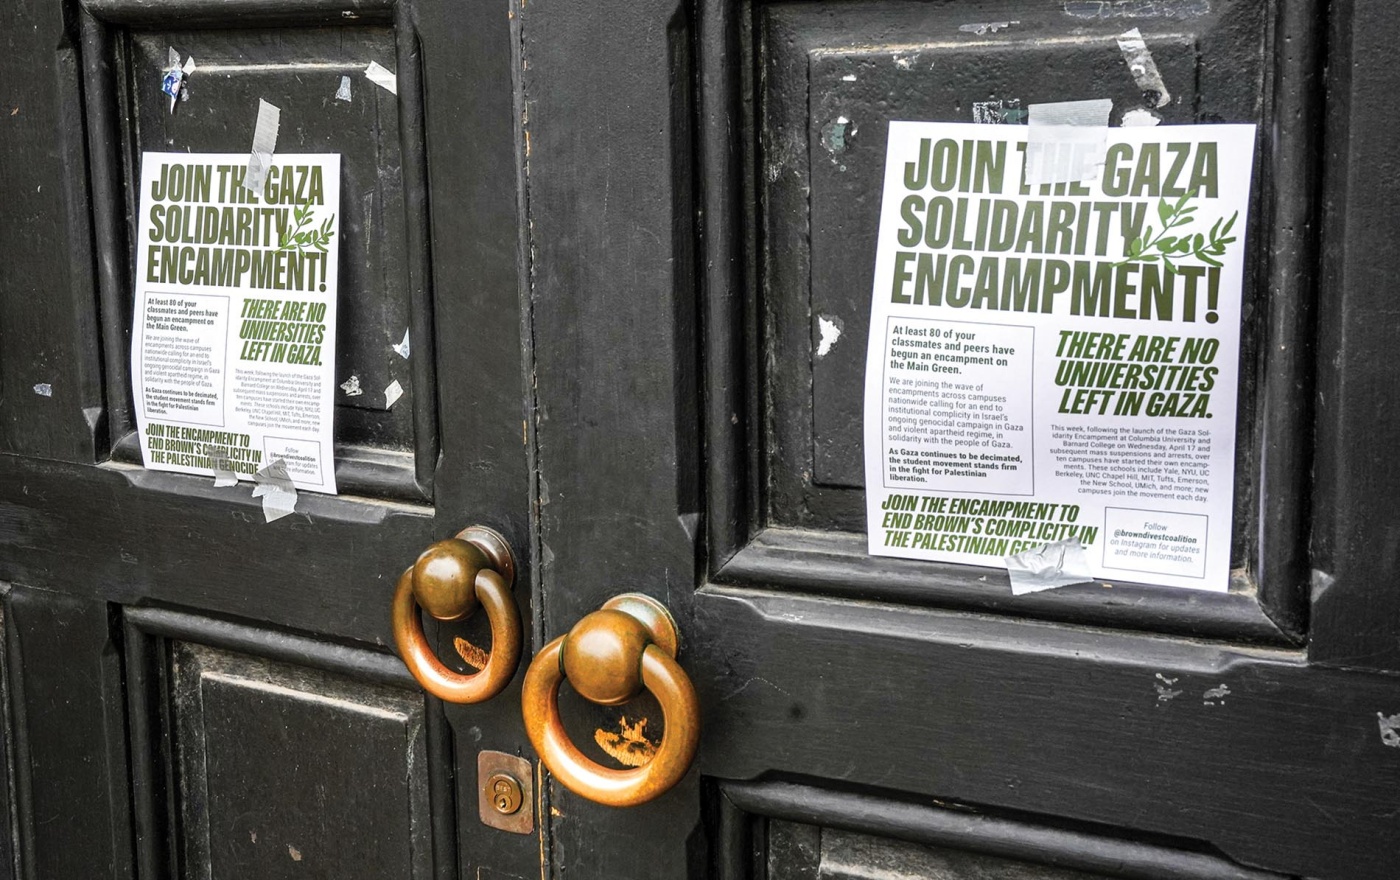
x=280, y=764
x=64, y=733
x=235, y=68
x=809, y=852
x=795, y=830
x=826, y=79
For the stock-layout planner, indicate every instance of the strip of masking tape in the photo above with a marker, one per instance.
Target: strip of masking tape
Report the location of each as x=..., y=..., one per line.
x=1057, y=564
x=1143, y=68
x=223, y=469
x=382, y=76
x=264, y=145
x=1067, y=141
x=274, y=487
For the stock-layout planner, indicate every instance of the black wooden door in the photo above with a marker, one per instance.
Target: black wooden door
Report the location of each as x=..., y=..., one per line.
x=692, y=219
x=189, y=690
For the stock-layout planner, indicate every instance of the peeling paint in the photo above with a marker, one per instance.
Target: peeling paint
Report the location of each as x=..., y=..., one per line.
x=830, y=329
x=836, y=135
x=628, y=745
x=1321, y=582
x=473, y=656
x=1165, y=691
x=904, y=63
x=1216, y=695
x=1141, y=117
x=1000, y=111
x=1136, y=8
x=1390, y=729
x=982, y=28
x=351, y=387
x=850, y=78
x=44, y=389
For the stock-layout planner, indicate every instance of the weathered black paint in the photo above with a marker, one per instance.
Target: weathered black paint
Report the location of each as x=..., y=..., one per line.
x=613, y=305
x=122, y=567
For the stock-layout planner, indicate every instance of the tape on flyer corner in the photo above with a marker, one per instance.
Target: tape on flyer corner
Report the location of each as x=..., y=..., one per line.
x=1057, y=564
x=1066, y=141
x=264, y=145
x=274, y=487
x=224, y=474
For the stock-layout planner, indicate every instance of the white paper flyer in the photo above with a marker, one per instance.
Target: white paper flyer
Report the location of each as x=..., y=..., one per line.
x=1058, y=361
x=233, y=329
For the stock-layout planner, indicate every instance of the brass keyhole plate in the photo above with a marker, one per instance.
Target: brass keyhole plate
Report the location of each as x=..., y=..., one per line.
x=505, y=792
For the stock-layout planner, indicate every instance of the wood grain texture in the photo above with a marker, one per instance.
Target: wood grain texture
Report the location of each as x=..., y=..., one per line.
x=1249, y=751
x=614, y=313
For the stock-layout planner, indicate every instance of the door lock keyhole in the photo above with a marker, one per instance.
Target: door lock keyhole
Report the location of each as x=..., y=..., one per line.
x=506, y=795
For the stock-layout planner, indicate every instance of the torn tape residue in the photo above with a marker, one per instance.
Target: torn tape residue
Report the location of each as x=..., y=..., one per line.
x=1057, y=564
x=274, y=487
x=402, y=348
x=982, y=28
x=1001, y=111
x=392, y=394
x=343, y=93
x=1390, y=729
x=1141, y=117
x=382, y=76
x=172, y=81
x=1136, y=8
x=264, y=145
x=1067, y=141
x=1143, y=68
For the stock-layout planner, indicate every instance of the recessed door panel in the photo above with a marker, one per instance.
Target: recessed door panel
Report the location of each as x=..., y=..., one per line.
x=285, y=769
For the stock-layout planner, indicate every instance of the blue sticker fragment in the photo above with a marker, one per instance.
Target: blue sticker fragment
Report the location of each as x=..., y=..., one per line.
x=170, y=83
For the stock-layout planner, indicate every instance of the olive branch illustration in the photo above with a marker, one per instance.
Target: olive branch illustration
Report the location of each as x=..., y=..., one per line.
x=301, y=237
x=1174, y=216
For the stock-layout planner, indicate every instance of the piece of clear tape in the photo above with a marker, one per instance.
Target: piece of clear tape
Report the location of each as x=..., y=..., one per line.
x=1143, y=68
x=1066, y=141
x=274, y=487
x=264, y=145
x=224, y=474
x=1057, y=564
